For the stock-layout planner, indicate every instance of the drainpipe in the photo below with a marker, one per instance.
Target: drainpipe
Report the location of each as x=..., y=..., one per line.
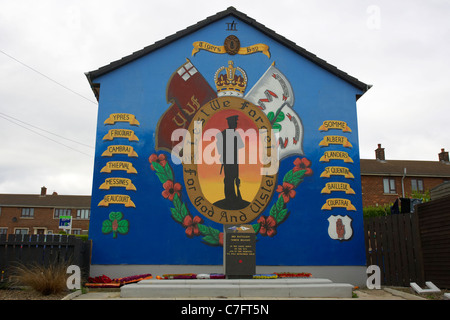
x=403, y=186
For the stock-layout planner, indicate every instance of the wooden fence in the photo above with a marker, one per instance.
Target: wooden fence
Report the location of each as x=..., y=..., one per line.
x=43, y=250
x=434, y=222
x=393, y=244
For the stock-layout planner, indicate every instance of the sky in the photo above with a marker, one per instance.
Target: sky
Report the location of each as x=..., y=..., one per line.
x=48, y=113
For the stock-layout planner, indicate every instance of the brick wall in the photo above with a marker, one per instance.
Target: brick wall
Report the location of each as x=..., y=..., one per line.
x=10, y=217
x=373, y=193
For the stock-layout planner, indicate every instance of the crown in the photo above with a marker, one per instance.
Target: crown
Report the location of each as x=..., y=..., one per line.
x=228, y=83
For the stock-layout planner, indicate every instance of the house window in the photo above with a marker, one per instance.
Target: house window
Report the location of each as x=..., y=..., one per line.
x=61, y=212
x=83, y=214
x=21, y=231
x=76, y=231
x=3, y=230
x=27, y=213
x=417, y=185
x=389, y=185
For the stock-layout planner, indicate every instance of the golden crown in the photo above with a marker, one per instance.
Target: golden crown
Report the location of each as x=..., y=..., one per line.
x=228, y=82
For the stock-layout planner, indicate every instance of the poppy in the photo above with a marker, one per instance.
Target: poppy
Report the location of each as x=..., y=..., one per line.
x=170, y=189
x=286, y=191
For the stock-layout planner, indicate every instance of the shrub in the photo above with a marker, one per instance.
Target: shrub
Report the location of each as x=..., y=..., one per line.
x=46, y=280
x=373, y=211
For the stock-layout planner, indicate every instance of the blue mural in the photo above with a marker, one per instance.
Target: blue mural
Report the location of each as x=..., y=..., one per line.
x=162, y=191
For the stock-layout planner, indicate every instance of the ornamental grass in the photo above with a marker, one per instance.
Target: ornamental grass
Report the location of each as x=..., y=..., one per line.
x=46, y=280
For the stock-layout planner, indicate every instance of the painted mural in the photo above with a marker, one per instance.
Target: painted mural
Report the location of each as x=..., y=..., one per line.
x=226, y=126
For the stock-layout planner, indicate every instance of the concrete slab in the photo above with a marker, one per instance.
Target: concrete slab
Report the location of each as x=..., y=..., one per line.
x=283, y=288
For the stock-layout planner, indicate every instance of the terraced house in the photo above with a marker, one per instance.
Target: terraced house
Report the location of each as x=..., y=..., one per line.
x=383, y=181
x=40, y=213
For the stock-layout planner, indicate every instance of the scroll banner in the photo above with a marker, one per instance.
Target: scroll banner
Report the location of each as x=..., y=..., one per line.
x=117, y=182
x=118, y=165
x=119, y=149
x=338, y=203
x=335, y=124
x=337, y=186
x=336, y=155
x=201, y=45
x=327, y=140
x=122, y=117
x=116, y=199
x=121, y=133
x=337, y=171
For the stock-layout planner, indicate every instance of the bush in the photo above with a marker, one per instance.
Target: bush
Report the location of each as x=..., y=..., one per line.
x=373, y=211
x=45, y=280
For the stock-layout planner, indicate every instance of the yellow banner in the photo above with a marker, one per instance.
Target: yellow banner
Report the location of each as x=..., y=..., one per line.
x=335, y=155
x=337, y=171
x=118, y=182
x=119, y=149
x=327, y=140
x=116, y=199
x=337, y=186
x=118, y=165
x=201, y=45
x=338, y=203
x=122, y=117
x=335, y=124
x=121, y=133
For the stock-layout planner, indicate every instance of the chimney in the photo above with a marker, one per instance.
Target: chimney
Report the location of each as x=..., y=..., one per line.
x=43, y=191
x=443, y=156
x=379, y=153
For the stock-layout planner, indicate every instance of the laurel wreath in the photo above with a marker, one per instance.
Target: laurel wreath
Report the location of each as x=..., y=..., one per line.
x=194, y=226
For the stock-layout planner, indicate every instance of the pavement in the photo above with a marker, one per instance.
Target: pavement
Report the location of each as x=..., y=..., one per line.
x=385, y=293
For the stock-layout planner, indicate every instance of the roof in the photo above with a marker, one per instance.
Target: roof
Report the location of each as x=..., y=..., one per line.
x=413, y=168
x=53, y=201
x=230, y=11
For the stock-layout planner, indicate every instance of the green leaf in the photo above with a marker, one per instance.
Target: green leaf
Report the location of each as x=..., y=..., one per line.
x=270, y=116
x=177, y=202
x=123, y=226
x=203, y=229
x=176, y=216
x=280, y=117
x=168, y=171
x=107, y=226
x=115, y=216
x=160, y=172
x=256, y=227
x=281, y=216
x=288, y=176
x=213, y=241
x=184, y=211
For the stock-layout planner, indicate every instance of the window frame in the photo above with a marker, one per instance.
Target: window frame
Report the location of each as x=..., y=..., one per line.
x=67, y=212
x=29, y=213
x=391, y=186
x=417, y=185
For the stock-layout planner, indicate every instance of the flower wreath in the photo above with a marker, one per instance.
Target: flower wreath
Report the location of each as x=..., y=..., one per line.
x=194, y=226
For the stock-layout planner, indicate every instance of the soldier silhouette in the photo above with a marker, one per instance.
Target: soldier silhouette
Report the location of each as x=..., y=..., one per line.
x=228, y=144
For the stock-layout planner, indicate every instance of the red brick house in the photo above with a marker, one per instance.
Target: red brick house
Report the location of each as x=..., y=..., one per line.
x=39, y=213
x=383, y=181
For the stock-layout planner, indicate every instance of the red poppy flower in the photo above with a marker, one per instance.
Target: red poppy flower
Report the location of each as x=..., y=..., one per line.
x=303, y=164
x=221, y=239
x=191, y=225
x=161, y=159
x=286, y=191
x=267, y=226
x=170, y=189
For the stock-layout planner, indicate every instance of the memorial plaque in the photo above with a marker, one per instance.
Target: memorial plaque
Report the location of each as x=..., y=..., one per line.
x=239, y=253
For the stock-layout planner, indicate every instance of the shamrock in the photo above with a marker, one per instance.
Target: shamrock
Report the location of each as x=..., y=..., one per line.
x=115, y=224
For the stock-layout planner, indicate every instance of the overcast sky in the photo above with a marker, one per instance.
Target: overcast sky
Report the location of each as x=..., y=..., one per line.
x=48, y=112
